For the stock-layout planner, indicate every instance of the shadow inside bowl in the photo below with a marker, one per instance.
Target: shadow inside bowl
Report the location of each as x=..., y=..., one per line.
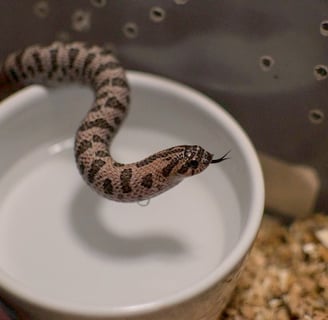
x=90, y=230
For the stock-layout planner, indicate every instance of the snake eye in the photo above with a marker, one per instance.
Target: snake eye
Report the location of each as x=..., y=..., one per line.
x=193, y=164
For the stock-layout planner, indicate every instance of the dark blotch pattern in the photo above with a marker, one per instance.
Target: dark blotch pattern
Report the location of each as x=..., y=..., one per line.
x=94, y=169
x=119, y=82
x=168, y=169
x=13, y=74
x=53, y=61
x=64, y=71
x=98, y=123
x=183, y=169
x=19, y=64
x=102, y=95
x=112, y=102
x=102, y=84
x=125, y=177
x=102, y=153
x=118, y=164
x=88, y=60
x=117, y=121
x=146, y=161
x=159, y=155
x=38, y=62
x=108, y=186
x=99, y=139
x=147, y=181
x=111, y=65
x=82, y=147
x=95, y=108
x=72, y=54
x=31, y=70
x=18, y=60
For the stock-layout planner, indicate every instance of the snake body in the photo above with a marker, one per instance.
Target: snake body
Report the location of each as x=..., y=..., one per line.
x=98, y=68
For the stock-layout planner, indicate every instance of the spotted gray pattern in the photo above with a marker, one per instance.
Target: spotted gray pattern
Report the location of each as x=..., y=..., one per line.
x=99, y=69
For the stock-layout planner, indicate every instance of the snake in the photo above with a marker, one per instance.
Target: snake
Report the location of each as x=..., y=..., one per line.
x=98, y=68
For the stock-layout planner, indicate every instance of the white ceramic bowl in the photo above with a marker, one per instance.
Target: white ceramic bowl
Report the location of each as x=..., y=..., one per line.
x=66, y=253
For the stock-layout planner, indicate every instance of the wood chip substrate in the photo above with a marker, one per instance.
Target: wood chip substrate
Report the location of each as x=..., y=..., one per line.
x=286, y=275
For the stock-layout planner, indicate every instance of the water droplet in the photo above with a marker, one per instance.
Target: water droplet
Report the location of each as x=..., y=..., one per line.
x=61, y=146
x=144, y=203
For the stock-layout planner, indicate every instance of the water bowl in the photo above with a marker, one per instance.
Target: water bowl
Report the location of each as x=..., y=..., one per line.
x=67, y=253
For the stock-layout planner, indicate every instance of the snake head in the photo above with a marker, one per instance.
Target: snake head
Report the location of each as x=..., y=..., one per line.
x=193, y=160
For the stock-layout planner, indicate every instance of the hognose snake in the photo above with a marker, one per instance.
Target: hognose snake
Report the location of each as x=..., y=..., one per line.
x=98, y=68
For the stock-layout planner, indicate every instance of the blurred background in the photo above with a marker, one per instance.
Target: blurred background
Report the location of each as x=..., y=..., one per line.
x=266, y=62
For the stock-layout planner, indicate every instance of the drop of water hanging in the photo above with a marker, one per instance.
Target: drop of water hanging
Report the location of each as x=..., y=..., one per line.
x=144, y=203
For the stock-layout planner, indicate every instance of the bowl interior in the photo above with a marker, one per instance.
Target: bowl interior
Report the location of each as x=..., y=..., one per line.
x=61, y=242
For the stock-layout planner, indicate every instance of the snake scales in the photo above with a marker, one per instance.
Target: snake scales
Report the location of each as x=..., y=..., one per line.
x=98, y=68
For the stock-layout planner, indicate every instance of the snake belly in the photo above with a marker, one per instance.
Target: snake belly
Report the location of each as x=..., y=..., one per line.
x=98, y=68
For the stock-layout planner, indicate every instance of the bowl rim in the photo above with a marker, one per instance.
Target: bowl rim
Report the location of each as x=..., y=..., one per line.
x=244, y=243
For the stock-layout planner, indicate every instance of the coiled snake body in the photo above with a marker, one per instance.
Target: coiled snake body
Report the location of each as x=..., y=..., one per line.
x=98, y=68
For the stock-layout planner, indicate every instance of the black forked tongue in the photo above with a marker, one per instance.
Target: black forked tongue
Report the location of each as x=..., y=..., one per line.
x=224, y=157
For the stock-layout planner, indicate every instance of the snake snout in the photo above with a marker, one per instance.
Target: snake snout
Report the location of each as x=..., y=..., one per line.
x=195, y=160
